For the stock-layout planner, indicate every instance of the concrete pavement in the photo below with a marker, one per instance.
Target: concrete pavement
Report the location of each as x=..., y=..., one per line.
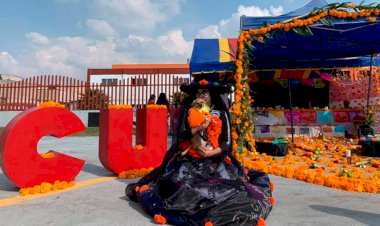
x=104, y=203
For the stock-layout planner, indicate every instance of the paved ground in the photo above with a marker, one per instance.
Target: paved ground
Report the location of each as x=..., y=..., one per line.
x=104, y=203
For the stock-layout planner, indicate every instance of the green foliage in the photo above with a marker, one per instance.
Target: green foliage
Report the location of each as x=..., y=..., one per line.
x=93, y=99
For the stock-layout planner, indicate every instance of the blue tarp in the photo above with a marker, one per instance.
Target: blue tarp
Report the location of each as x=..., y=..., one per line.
x=206, y=55
x=329, y=47
x=325, y=48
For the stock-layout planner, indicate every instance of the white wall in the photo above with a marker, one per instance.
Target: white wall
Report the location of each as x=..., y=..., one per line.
x=7, y=116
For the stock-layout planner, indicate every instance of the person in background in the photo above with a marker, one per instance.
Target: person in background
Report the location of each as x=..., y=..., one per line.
x=152, y=99
x=346, y=104
x=163, y=100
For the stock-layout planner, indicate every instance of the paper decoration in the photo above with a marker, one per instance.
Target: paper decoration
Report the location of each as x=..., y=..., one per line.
x=327, y=129
x=296, y=116
x=264, y=129
x=324, y=117
x=341, y=116
x=290, y=130
x=354, y=115
x=339, y=129
x=304, y=131
x=340, y=91
x=308, y=117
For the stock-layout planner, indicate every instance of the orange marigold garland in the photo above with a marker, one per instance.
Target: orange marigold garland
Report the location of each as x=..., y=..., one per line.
x=214, y=130
x=155, y=106
x=241, y=113
x=45, y=187
x=50, y=103
x=119, y=106
x=130, y=174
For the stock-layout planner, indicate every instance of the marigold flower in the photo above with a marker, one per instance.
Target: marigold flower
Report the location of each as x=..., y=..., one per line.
x=272, y=201
x=50, y=103
x=143, y=188
x=261, y=222
x=159, y=219
x=209, y=223
x=271, y=186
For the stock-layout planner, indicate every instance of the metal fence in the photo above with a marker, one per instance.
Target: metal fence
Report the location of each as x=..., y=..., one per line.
x=80, y=95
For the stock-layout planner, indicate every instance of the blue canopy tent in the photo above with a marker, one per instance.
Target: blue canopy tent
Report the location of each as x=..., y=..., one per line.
x=290, y=50
x=326, y=47
x=212, y=55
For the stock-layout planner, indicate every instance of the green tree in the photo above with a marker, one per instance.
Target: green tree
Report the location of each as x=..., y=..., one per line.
x=93, y=99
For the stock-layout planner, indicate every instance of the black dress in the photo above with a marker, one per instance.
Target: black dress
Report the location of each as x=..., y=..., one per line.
x=191, y=191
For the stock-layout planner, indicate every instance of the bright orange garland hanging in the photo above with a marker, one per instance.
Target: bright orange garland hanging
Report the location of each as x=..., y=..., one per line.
x=241, y=112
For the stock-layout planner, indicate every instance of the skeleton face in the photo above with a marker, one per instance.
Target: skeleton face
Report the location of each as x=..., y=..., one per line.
x=204, y=94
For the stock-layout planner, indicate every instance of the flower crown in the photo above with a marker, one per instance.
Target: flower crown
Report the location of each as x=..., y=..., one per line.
x=204, y=84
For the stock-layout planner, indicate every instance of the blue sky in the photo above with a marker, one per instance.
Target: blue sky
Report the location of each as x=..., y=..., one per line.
x=66, y=37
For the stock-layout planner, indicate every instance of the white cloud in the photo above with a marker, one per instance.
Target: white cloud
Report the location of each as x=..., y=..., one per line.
x=228, y=28
x=141, y=15
x=37, y=38
x=276, y=11
x=117, y=35
x=173, y=43
x=72, y=56
x=211, y=31
x=170, y=47
x=7, y=60
x=9, y=65
x=101, y=27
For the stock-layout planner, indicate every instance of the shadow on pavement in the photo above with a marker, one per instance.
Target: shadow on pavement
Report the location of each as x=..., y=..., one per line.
x=6, y=184
x=361, y=216
x=96, y=170
x=138, y=209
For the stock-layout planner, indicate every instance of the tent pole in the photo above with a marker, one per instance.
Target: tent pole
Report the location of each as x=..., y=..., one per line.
x=290, y=106
x=370, y=80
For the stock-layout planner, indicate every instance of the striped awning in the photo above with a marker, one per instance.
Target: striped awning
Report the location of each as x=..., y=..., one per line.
x=213, y=55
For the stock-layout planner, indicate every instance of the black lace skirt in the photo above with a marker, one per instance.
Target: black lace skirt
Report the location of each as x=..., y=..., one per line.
x=188, y=191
